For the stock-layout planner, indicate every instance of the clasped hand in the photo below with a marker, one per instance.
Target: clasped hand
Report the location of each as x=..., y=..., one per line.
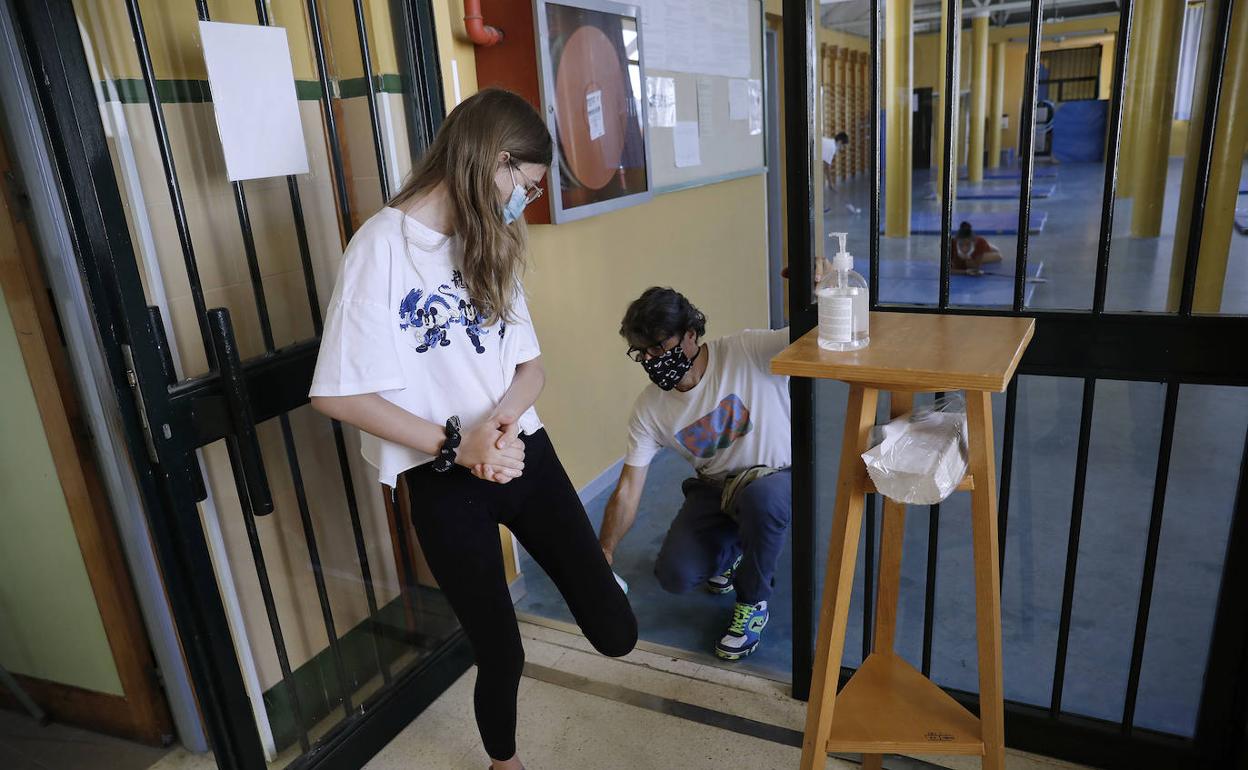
x=493, y=450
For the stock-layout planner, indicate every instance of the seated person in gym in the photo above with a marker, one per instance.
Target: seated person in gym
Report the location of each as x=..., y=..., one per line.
x=719, y=407
x=969, y=252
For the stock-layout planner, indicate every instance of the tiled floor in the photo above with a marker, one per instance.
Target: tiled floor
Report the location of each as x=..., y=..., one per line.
x=24, y=745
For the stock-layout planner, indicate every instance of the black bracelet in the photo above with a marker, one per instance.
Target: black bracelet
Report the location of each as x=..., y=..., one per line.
x=446, y=456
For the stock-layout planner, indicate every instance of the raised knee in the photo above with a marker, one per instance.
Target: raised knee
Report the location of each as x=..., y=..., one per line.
x=619, y=643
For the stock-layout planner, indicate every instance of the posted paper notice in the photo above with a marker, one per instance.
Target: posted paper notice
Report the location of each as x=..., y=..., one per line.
x=685, y=139
x=253, y=95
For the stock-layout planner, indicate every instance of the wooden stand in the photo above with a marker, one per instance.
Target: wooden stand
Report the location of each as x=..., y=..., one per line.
x=888, y=707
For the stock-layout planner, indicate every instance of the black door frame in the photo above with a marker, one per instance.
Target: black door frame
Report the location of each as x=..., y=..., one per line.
x=166, y=421
x=1176, y=348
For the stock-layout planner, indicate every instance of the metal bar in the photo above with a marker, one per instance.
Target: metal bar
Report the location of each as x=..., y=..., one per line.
x=365, y=55
x=1072, y=544
x=270, y=605
x=874, y=137
x=1027, y=152
x=1121, y=54
x=314, y=307
x=288, y=438
x=949, y=180
x=1007, y=470
x=868, y=576
x=798, y=28
x=1204, y=163
x=929, y=590
x=1150, y=554
x=331, y=123
x=296, y=210
x=144, y=52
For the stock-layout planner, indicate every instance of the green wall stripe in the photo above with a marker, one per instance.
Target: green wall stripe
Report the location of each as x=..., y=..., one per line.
x=185, y=91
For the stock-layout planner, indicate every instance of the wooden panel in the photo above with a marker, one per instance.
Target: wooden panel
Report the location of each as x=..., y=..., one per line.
x=143, y=713
x=889, y=708
x=919, y=351
x=99, y=711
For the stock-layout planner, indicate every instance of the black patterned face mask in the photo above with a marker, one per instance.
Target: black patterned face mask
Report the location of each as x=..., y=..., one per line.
x=669, y=369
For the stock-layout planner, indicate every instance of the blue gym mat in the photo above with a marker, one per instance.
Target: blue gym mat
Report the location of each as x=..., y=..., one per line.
x=1039, y=172
x=984, y=222
x=1241, y=222
x=913, y=282
x=999, y=189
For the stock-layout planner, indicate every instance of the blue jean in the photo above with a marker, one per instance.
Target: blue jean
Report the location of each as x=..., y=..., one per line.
x=704, y=541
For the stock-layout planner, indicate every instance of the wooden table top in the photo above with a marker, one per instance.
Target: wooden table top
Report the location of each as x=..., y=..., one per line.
x=919, y=352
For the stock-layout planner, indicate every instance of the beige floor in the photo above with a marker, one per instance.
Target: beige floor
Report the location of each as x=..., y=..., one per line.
x=563, y=728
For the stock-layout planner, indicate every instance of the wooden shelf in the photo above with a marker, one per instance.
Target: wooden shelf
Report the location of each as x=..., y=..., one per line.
x=967, y=484
x=890, y=708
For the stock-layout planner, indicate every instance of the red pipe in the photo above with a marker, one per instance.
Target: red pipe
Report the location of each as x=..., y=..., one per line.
x=479, y=32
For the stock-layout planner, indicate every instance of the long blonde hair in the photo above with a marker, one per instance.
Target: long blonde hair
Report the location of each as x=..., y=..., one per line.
x=464, y=154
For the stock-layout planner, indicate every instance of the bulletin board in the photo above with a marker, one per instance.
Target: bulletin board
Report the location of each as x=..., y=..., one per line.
x=704, y=90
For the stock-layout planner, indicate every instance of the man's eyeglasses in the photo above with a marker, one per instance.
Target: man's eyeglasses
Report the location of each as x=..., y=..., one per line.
x=654, y=351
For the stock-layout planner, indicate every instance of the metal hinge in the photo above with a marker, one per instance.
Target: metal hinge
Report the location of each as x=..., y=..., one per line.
x=132, y=379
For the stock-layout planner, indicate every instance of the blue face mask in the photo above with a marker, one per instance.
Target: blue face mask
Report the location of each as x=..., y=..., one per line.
x=514, y=207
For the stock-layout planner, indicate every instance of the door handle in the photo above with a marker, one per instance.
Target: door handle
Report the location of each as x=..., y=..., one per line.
x=243, y=436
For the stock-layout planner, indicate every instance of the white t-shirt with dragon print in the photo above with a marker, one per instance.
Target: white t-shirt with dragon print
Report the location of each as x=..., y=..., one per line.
x=400, y=324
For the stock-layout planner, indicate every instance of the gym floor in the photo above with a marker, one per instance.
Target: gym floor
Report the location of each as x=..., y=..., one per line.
x=1122, y=461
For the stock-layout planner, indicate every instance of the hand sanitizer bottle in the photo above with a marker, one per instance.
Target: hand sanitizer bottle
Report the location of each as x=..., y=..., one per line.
x=843, y=304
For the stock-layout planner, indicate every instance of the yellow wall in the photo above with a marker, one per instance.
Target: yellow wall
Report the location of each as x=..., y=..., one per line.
x=708, y=242
x=50, y=626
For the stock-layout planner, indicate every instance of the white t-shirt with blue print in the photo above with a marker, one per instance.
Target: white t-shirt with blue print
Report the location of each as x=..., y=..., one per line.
x=400, y=324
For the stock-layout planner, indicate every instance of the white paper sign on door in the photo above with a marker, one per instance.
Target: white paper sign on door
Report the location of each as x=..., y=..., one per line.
x=253, y=95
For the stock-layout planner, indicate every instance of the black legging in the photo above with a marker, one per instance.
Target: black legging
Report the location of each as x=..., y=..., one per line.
x=456, y=517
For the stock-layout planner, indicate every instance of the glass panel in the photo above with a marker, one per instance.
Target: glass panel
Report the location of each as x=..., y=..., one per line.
x=1122, y=463
x=1200, y=498
x=842, y=162
x=1160, y=135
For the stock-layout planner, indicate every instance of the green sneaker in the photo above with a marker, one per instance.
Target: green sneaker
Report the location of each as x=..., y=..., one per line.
x=745, y=631
x=722, y=583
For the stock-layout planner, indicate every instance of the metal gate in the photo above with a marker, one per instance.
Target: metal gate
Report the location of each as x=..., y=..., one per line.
x=411, y=649
x=1178, y=349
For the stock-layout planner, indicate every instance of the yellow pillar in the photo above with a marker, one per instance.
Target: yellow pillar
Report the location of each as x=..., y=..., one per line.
x=1130, y=113
x=1230, y=142
x=996, y=107
x=898, y=90
x=1160, y=26
x=946, y=102
x=979, y=98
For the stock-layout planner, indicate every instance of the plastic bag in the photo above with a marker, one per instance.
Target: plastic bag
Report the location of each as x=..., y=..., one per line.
x=920, y=457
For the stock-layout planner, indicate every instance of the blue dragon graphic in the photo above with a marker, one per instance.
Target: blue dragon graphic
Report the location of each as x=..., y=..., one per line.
x=429, y=317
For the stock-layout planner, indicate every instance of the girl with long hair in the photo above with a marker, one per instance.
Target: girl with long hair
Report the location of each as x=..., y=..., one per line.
x=429, y=350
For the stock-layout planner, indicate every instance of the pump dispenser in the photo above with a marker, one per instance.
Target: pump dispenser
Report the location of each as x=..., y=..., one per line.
x=843, y=304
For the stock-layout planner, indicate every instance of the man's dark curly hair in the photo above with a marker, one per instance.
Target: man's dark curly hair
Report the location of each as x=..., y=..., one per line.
x=660, y=313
